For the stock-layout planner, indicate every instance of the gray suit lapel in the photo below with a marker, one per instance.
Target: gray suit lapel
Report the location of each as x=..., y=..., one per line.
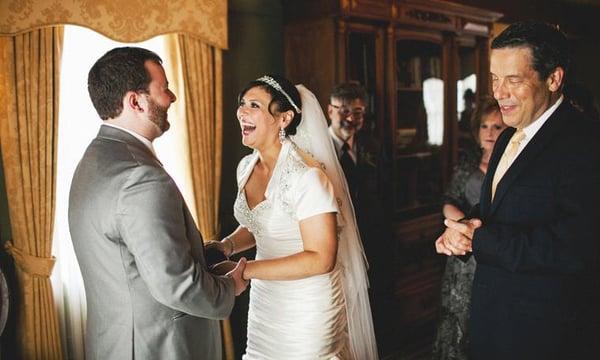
x=114, y=134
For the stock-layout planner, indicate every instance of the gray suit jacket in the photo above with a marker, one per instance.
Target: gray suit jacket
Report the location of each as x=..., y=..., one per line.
x=149, y=294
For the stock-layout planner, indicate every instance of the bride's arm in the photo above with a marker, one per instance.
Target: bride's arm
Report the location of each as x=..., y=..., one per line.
x=239, y=240
x=320, y=250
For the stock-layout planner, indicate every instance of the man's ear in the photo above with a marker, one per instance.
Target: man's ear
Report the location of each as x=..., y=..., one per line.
x=555, y=79
x=330, y=110
x=134, y=101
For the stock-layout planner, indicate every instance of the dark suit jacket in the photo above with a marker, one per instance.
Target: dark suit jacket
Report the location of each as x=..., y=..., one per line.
x=370, y=190
x=535, y=292
x=368, y=198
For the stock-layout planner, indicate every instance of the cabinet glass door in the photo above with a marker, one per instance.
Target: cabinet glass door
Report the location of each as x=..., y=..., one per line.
x=466, y=94
x=361, y=64
x=419, y=127
x=362, y=67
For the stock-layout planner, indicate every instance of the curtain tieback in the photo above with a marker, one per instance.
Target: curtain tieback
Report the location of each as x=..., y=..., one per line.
x=30, y=264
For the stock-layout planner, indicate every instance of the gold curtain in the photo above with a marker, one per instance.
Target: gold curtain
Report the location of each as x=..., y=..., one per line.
x=29, y=83
x=200, y=73
x=202, y=82
x=125, y=21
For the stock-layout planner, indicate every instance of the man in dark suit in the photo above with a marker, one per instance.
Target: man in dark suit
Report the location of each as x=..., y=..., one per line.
x=360, y=156
x=362, y=159
x=535, y=234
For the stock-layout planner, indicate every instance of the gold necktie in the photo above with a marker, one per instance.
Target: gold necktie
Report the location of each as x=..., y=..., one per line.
x=507, y=158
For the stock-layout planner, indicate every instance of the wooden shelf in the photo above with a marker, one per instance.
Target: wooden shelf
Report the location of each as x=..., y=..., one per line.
x=409, y=88
x=414, y=155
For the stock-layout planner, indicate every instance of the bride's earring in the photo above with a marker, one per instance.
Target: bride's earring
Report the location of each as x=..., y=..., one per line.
x=281, y=135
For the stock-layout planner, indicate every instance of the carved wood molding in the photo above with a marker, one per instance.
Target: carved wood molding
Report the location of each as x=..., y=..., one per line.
x=428, y=16
x=374, y=9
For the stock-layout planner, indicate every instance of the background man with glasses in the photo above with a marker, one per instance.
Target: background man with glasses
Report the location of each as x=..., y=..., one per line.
x=346, y=111
x=362, y=160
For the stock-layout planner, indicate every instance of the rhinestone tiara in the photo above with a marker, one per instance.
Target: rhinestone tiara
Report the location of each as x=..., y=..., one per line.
x=275, y=85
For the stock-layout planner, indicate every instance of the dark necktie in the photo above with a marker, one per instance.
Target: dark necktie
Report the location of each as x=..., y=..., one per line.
x=349, y=168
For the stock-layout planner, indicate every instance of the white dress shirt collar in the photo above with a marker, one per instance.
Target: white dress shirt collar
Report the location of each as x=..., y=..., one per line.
x=532, y=129
x=338, y=143
x=144, y=141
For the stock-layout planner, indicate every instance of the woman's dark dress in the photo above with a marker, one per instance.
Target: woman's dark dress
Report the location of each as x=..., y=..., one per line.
x=452, y=336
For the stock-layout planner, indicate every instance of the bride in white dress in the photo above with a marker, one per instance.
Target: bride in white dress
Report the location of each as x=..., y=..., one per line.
x=308, y=298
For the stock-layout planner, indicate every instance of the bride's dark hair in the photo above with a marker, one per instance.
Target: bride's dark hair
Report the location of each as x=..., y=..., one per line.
x=279, y=99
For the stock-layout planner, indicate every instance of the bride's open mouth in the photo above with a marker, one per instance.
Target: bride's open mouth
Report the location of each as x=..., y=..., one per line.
x=248, y=129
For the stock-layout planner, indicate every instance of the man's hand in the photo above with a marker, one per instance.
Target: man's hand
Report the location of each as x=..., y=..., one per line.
x=458, y=237
x=214, y=253
x=217, y=245
x=236, y=274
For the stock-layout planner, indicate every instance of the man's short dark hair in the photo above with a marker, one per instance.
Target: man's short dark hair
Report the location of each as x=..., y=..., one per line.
x=348, y=92
x=549, y=46
x=118, y=71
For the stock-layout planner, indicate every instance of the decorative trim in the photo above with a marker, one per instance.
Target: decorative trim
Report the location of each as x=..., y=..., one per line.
x=476, y=28
x=428, y=16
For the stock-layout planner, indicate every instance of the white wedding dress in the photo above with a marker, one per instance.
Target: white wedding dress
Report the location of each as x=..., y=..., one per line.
x=297, y=319
x=319, y=317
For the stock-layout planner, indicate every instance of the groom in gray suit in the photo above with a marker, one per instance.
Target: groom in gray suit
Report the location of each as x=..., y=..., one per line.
x=149, y=293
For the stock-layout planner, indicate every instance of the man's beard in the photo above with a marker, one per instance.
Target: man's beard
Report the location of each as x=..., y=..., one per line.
x=158, y=115
x=347, y=129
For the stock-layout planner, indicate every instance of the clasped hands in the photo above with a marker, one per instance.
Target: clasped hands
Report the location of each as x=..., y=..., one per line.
x=232, y=269
x=457, y=239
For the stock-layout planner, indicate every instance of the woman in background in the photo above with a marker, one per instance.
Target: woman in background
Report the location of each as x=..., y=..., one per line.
x=462, y=194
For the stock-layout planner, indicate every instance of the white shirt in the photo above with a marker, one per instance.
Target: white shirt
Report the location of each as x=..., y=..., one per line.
x=532, y=129
x=338, y=143
x=144, y=141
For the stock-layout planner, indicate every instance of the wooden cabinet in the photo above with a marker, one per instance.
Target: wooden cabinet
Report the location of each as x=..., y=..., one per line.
x=321, y=52
x=416, y=59
x=419, y=65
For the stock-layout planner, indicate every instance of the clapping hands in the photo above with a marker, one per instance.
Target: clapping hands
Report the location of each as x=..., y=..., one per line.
x=458, y=237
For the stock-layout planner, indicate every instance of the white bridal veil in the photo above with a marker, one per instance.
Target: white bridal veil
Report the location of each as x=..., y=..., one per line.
x=313, y=138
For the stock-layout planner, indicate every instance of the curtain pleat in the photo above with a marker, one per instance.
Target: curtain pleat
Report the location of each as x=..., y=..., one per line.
x=201, y=64
x=200, y=68
x=29, y=82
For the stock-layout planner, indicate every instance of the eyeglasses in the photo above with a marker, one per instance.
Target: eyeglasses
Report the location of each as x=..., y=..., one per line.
x=356, y=113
